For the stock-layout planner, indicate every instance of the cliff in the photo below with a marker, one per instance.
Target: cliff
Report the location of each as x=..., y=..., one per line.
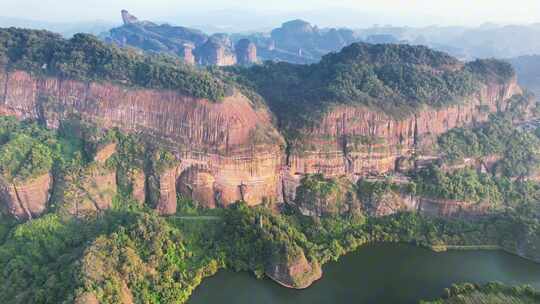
x=28, y=199
x=230, y=150
x=356, y=140
x=234, y=140
x=192, y=45
x=339, y=113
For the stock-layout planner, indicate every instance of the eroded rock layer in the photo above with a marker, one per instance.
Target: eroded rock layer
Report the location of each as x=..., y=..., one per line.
x=28, y=199
x=356, y=141
x=234, y=140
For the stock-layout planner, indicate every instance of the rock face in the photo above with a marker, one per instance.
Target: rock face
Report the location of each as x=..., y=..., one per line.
x=216, y=51
x=28, y=199
x=317, y=196
x=186, y=52
x=246, y=52
x=105, y=152
x=294, y=272
x=167, y=191
x=355, y=141
x=231, y=150
x=89, y=191
x=152, y=37
x=138, y=182
x=127, y=18
x=193, y=46
x=393, y=202
x=233, y=140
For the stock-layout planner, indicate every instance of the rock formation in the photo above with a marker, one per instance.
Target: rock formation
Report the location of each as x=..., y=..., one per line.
x=293, y=270
x=127, y=18
x=186, y=52
x=246, y=52
x=216, y=51
x=105, y=152
x=318, y=196
x=233, y=140
x=166, y=204
x=87, y=192
x=151, y=37
x=138, y=183
x=356, y=141
x=25, y=200
x=231, y=147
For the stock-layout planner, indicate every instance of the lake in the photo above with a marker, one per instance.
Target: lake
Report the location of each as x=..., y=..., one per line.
x=378, y=273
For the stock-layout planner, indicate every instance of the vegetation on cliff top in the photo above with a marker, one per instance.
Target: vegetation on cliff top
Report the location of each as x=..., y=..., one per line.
x=85, y=57
x=396, y=79
x=26, y=149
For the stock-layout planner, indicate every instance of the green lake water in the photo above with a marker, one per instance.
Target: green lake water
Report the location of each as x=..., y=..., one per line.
x=380, y=273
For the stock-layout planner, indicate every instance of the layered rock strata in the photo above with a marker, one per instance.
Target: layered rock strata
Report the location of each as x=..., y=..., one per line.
x=357, y=141
x=230, y=150
x=233, y=140
x=28, y=199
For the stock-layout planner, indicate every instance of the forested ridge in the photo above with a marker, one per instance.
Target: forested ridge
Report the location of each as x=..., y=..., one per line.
x=125, y=252
x=85, y=57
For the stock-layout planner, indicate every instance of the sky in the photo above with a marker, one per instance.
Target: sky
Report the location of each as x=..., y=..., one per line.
x=350, y=13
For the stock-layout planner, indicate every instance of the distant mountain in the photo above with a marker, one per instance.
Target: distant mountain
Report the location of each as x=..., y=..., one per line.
x=194, y=46
x=298, y=41
x=485, y=41
x=66, y=29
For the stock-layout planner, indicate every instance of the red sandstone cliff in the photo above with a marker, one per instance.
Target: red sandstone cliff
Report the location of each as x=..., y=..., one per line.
x=233, y=140
x=355, y=141
x=28, y=199
x=230, y=150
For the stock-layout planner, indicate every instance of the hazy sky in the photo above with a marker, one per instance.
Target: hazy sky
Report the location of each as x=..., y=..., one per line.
x=395, y=12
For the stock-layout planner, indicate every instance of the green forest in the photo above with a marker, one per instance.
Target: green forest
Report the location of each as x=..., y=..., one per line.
x=126, y=252
x=85, y=57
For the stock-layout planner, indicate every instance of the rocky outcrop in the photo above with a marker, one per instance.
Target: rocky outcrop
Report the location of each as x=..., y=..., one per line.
x=186, y=52
x=294, y=271
x=166, y=204
x=216, y=51
x=127, y=18
x=392, y=202
x=246, y=52
x=152, y=37
x=87, y=192
x=25, y=200
x=138, y=184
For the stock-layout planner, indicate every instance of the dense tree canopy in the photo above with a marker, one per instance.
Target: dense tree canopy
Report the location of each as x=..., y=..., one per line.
x=85, y=57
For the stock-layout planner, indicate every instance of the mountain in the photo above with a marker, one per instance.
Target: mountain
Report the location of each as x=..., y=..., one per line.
x=192, y=45
x=128, y=176
x=65, y=29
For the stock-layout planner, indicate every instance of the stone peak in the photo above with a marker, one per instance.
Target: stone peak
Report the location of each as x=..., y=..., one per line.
x=128, y=18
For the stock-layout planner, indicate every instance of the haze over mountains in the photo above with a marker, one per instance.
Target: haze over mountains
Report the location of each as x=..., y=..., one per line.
x=313, y=41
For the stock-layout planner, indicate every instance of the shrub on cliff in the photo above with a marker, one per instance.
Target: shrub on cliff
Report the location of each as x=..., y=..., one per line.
x=320, y=196
x=464, y=184
x=84, y=57
x=26, y=150
x=499, y=137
